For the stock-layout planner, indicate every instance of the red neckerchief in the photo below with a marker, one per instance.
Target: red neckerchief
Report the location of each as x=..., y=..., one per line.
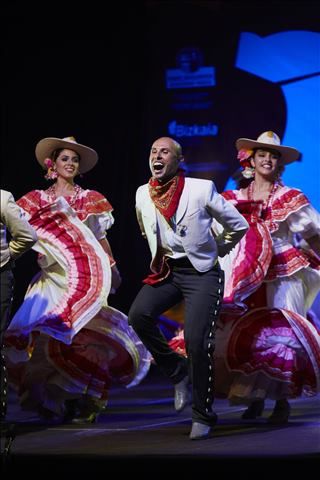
x=162, y=274
x=166, y=199
x=166, y=196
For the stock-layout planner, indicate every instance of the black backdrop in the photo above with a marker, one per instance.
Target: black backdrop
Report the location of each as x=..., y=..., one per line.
x=95, y=71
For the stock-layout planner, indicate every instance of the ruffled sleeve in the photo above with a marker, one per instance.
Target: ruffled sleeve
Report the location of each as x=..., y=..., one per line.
x=96, y=212
x=305, y=222
x=30, y=203
x=99, y=224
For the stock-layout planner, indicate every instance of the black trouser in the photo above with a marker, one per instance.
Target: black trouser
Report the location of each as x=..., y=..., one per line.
x=202, y=293
x=6, y=296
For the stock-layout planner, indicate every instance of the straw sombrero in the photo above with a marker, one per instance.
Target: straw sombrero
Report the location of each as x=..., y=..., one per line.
x=269, y=140
x=46, y=146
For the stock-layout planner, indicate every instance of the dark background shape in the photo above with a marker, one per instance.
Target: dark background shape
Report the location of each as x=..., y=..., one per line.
x=96, y=72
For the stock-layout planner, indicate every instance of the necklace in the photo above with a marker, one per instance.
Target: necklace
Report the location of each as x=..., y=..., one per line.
x=265, y=203
x=71, y=199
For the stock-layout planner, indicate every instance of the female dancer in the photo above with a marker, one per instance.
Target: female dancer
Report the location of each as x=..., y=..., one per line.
x=65, y=344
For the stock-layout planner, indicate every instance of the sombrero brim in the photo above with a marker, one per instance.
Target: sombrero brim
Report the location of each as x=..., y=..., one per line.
x=46, y=146
x=288, y=154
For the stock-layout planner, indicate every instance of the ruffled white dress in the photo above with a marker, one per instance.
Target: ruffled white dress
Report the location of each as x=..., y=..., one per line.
x=65, y=341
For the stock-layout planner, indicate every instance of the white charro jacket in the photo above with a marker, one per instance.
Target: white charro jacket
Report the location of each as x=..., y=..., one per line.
x=201, y=213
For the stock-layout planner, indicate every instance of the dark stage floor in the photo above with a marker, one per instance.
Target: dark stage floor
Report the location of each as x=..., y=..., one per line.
x=140, y=430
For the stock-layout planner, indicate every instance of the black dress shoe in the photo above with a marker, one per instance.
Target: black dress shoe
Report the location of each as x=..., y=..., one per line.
x=181, y=394
x=254, y=410
x=71, y=409
x=281, y=412
x=78, y=413
x=199, y=431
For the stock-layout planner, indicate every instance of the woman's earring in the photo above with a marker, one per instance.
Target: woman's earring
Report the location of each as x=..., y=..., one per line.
x=248, y=172
x=51, y=174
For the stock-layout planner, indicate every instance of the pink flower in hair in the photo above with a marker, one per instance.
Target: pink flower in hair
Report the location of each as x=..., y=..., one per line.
x=244, y=154
x=48, y=163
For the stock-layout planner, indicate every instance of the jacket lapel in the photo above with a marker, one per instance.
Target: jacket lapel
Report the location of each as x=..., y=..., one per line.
x=182, y=207
x=149, y=210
